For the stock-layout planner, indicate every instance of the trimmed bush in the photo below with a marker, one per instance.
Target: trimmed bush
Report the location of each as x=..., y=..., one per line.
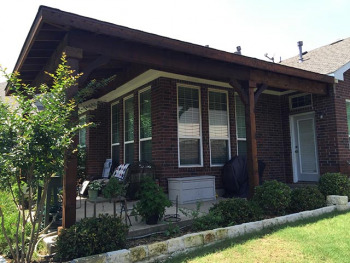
x=273, y=197
x=334, y=184
x=229, y=212
x=207, y=222
x=236, y=211
x=91, y=236
x=306, y=198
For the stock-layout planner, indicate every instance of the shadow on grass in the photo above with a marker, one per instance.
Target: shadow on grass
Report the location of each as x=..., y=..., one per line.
x=222, y=245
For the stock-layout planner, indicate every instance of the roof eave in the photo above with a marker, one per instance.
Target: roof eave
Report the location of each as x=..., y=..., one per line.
x=56, y=16
x=101, y=27
x=28, y=42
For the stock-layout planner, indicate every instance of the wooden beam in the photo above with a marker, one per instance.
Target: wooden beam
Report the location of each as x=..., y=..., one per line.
x=156, y=58
x=252, y=152
x=288, y=82
x=249, y=97
x=259, y=91
x=240, y=90
x=71, y=163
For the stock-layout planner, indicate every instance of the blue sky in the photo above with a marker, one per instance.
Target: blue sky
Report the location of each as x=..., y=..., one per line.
x=259, y=27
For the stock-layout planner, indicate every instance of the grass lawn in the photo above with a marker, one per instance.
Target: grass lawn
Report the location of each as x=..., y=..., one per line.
x=11, y=216
x=11, y=213
x=322, y=239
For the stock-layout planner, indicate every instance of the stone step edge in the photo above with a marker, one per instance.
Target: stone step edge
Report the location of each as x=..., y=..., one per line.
x=178, y=245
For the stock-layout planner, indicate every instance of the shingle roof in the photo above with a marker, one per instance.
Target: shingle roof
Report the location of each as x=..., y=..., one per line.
x=324, y=60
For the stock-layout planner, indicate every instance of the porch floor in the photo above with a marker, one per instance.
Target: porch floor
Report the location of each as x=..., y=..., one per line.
x=139, y=228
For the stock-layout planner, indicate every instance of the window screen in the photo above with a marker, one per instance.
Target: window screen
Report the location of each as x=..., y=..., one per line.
x=218, y=127
x=189, y=130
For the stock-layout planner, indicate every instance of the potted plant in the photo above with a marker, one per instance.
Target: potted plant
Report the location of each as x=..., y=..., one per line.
x=114, y=189
x=93, y=189
x=152, y=203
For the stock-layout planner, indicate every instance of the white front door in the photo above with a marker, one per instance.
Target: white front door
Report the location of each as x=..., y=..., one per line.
x=304, y=148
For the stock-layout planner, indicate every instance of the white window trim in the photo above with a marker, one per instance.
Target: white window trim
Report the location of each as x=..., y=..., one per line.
x=124, y=119
x=200, y=126
x=238, y=138
x=139, y=104
x=80, y=118
x=228, y=128
x=118, y=143
x=299, y=95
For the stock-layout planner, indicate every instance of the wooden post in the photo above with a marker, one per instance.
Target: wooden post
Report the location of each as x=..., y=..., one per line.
x=249, y=97
x=71, y=162
x=252, y=158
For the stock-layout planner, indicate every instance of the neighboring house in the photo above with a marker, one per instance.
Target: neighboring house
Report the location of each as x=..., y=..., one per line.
x=188, y=108
x=333, y=60
x=2, y=90
x=8, y=99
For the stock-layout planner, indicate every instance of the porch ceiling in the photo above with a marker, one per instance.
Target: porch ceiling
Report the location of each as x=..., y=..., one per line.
x=107, y=49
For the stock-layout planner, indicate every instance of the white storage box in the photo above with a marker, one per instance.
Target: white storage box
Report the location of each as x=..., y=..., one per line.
x=191, y=189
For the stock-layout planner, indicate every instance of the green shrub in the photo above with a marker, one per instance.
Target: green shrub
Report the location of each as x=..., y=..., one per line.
x=334, y=184
x=306, y=198
x=207, y=222
x=153, y=200
x=113, y=189
x=237, y=211
x=273, y=197
x=91, y=236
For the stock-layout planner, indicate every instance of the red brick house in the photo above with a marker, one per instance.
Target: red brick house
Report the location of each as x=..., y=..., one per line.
x=189, y=108
x=333, y=132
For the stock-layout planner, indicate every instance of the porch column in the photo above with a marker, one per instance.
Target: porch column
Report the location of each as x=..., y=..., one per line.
x=252, y=153
x=70, y=168
x=249, y=93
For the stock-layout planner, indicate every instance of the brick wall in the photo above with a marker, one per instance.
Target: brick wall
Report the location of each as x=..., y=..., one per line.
x=342, y=93
x=269, y=136
x=165, y=143
x=331, y=129
x=273, y=132
x=98, y=139
x=326, y=131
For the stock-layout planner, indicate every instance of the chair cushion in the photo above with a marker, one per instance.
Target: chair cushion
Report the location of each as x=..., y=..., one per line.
x=120, y=171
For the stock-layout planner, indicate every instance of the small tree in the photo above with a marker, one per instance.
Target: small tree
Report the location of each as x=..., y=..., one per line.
x=33, y=143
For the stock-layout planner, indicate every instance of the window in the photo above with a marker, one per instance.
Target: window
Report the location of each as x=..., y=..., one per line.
x=115, y=115
x=348, y=118
x=129, y=130
x=240, y=127
x=82, y=132
x=189, y=127
x=300, y=101
x=145, y=125
x=218, y=128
